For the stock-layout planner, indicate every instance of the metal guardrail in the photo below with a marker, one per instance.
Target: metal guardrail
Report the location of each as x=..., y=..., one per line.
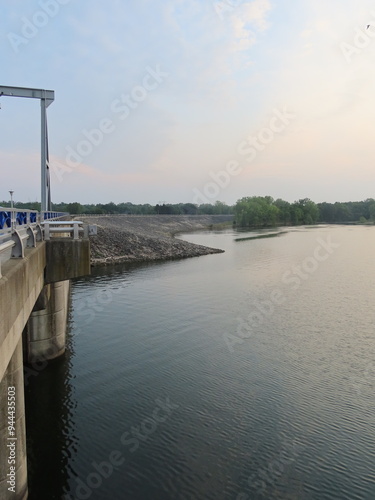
x=72, y=228
x=20, y=229
x=16, y=218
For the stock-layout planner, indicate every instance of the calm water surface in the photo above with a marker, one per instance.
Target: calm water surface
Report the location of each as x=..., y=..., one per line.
x=242, y=375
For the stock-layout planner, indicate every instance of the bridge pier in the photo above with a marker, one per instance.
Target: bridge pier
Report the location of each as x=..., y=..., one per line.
x=13, y=461
x=45, y=332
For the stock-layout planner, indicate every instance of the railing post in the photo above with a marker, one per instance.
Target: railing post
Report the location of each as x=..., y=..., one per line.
x=46, y=231
x=12, y=220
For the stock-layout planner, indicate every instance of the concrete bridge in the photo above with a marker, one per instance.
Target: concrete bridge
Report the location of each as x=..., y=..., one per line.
x=39, y=254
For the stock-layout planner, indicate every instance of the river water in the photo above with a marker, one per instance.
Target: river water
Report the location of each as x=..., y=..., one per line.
x=242, y=375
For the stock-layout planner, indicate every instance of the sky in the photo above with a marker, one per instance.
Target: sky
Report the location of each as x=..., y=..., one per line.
x=190, y=101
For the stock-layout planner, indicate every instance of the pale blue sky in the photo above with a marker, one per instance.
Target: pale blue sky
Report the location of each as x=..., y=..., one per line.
x=203, y=77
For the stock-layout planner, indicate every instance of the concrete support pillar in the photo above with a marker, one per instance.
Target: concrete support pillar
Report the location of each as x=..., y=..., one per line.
x=13, y=464
x=46, y=328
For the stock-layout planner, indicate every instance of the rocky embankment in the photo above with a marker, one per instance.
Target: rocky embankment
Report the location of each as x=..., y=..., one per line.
x=136, y=238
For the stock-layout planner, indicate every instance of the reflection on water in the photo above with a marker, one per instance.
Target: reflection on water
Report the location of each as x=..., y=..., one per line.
x=51, y=438
x=241, y=375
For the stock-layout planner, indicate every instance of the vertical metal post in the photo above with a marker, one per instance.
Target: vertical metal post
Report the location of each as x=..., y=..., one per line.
x=43, y=156
x=12, y=218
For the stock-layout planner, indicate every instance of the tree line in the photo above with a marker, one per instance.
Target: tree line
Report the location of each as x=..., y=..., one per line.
x=218, y=208
x=253, y=211
x=262, y=211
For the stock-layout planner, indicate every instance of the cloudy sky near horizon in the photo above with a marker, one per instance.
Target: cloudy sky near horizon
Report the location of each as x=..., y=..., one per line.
x=279, y=95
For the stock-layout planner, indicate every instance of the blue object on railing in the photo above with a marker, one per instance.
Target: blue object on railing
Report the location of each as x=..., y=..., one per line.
x=5, y=220
x=26, y=217
x=50, y=215
x=21, y=218
x=53, y=215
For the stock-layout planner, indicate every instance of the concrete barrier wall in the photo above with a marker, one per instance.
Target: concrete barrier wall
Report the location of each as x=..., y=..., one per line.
x=13, y=462
x=67, y=259
x=20, y=287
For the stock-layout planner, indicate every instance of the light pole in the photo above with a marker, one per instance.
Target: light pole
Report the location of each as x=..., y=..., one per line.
x=11, y=208
x=11, y=199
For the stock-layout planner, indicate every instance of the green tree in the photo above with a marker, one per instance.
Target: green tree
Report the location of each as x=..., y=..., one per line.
x=74, y=208
x=284, y=211
x=189, y=209
x=342, y=213
x=256, y=211
x=372, y=211
x=309, y=211
x=296, y=214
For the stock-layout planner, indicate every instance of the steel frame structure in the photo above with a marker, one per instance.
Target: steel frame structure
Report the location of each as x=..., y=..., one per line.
x=46, y=98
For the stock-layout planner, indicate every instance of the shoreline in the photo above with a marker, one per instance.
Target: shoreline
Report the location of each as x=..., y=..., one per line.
x=148, y=238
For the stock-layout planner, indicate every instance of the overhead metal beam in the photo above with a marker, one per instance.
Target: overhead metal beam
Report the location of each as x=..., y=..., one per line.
x=48, y=95
x=46, y=98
